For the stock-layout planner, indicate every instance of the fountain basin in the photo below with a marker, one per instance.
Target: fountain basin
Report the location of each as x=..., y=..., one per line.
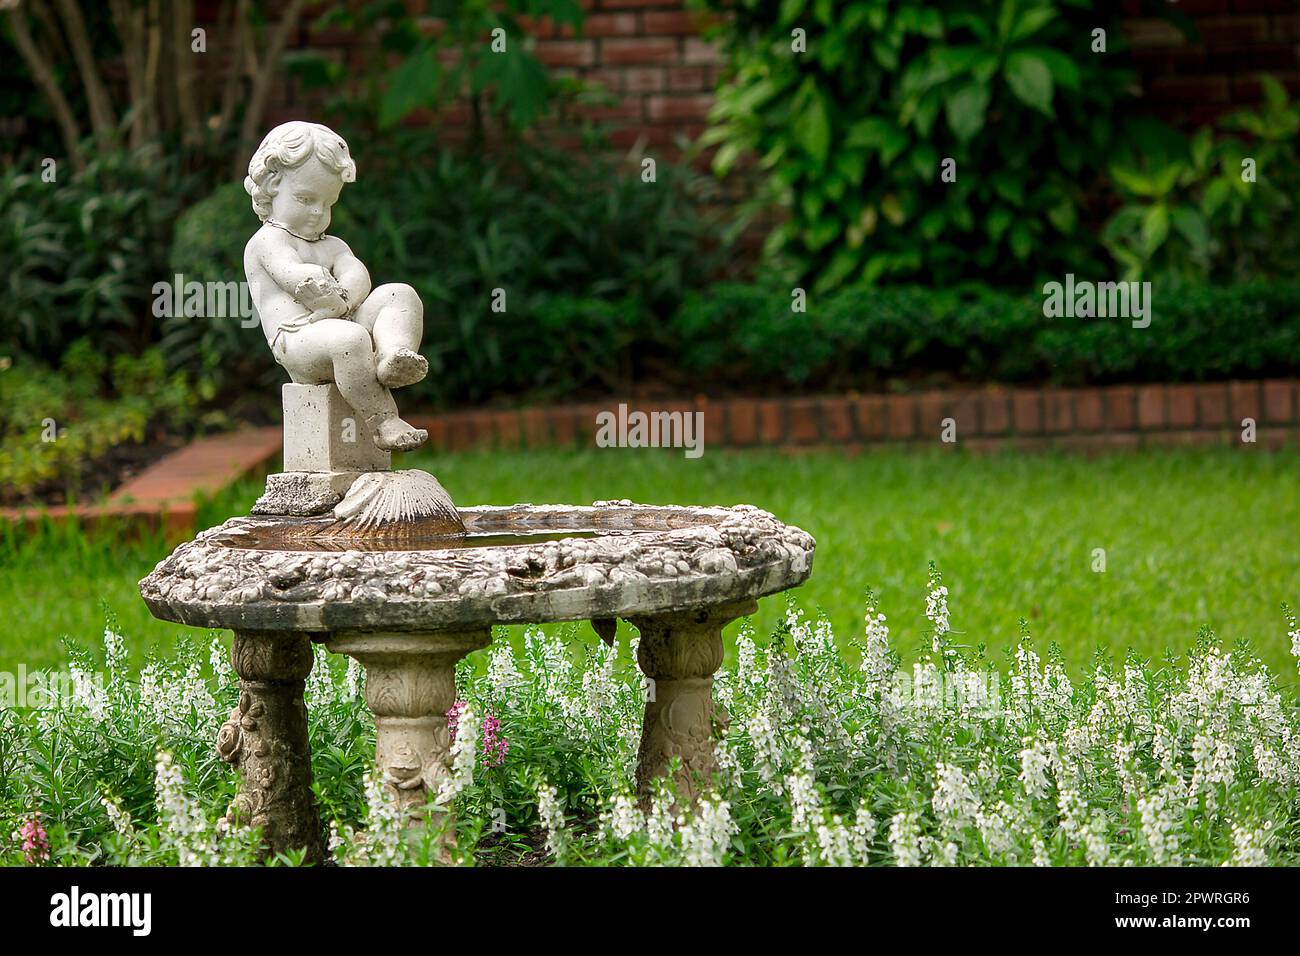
x=408, y=604
x=517, y=564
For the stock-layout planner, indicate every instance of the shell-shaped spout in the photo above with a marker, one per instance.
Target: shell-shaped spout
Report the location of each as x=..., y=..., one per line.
x=390, y=500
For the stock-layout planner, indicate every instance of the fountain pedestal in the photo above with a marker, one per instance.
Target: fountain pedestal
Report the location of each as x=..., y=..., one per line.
x=408, y=609
x=679, y=654
x=410, y=686
x=265, y=739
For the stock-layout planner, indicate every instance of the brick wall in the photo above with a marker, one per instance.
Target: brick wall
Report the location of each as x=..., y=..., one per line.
x=1190, y=83
x=651, y=58
x=1081, y=419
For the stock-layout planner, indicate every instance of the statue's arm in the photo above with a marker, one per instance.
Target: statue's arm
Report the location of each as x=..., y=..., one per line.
x=352, y=274
x=282, y=263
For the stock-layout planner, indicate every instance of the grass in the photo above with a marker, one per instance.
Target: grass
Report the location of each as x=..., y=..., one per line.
x=1191, y=538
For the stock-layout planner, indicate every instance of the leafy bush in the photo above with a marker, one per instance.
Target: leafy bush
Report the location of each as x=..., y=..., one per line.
x=590, y=259
x=956, y=760
x=853, y=133
x=82, y=253
x=93, y=404
x=1212, y=204
x=861, y=336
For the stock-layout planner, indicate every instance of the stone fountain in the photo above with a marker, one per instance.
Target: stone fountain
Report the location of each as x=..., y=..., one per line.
x=382, y=566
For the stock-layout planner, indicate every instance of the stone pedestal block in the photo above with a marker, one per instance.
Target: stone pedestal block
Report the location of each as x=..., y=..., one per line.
x=323, y=433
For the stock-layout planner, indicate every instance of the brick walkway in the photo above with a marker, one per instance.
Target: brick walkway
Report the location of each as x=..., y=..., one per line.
x=164, y=495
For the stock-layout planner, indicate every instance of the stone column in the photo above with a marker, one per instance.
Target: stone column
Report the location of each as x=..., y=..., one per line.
x=679, y=653
x=266, y=740
x=410, y=686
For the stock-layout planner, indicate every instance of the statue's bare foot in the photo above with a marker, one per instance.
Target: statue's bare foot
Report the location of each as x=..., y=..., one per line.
x=397, y=435
x=402, y=367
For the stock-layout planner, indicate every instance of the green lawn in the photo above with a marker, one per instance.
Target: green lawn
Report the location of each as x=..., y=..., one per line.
x=1191, y=538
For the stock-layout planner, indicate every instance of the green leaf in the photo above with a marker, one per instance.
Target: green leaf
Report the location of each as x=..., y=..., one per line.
x=965, y=110
x=1155, y=227
x=1030, y=80
x=812, y=127
x=1065, y=72
x=1030, y=22
x=411, y=85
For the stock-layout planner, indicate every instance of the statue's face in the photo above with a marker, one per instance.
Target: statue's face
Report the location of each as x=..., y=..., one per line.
x=304, y=196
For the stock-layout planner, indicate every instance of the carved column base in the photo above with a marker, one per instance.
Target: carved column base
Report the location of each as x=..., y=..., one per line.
x=266, y=740
x=410, y=686
x=680, y=653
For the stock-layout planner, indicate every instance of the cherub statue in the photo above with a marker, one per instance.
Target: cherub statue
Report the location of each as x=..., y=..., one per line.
x=322, y=319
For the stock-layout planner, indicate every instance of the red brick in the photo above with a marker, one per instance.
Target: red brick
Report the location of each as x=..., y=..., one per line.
x=437, y=429
x=537, y=431
x=964, y=410
x=699, y=51
x=563, y=426
x=902, y=416
x=995, y=413
x=507, y=428
x=460, y=432
x=1212, y=405
x=1089, y=410
x=714, y=424
x=1058, y=412
x=771, y=422
x=1233, y=31
x=611, y=25
x=566, y=52
x=627, y=108
x=1279, y=409
x=802, y=414
x=1182, y=406
x=742, y=422
x=634, y=51
x=870, y=413
x=1027, y=412
x=932, y=407
x=642, y=136
x=1144, y=33
x=643, y=79
x=676, y=108
x=689, y=78
x=1245, y=400
x=1121, y=408
x=670, y=23
x=837, y=419
x=1189, y=89
x=1151, y=407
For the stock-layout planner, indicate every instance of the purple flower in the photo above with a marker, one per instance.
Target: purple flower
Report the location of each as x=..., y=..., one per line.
x=495, y=745
x=36, y=842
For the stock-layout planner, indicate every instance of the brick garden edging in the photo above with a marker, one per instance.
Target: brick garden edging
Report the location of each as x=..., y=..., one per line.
x=1077, y=419
x=1083, y=419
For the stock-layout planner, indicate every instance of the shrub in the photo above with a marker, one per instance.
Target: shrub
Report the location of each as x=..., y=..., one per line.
x=82, y=253
x=854, y=130
x=94, y=404
x=863, y=337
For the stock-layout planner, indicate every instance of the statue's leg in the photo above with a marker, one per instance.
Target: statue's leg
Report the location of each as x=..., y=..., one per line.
x=266, y=739
x=679, y=653
x=395, y=317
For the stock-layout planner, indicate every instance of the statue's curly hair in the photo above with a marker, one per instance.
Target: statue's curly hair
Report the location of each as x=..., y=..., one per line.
x=288, y=146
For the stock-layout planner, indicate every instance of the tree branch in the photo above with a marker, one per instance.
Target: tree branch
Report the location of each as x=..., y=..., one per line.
x=102, y=119
x=48, y=85
x=262, y=82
